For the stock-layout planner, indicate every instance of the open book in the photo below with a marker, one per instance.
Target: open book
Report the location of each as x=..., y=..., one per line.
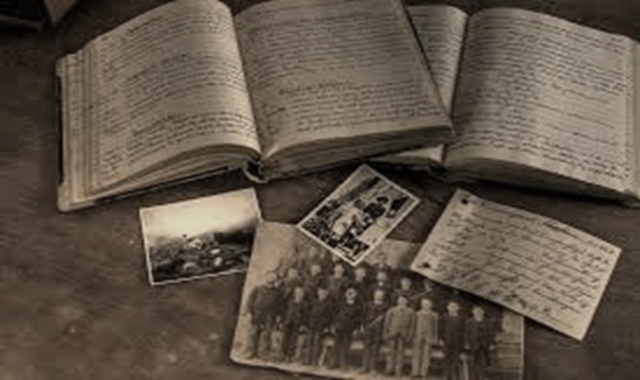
x=189, y=89
x=536, y=101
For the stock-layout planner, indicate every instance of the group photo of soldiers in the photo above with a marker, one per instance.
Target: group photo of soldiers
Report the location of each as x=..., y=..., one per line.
x=372, y=319
x=358, y=214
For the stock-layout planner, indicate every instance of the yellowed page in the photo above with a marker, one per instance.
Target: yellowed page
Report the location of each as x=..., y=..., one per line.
x=166, y=83
x=332, y=68
x=534, y=265
x=543, y=92
x=441, y=30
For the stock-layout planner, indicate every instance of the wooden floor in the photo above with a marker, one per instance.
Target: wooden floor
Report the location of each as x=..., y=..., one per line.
x=75, y=301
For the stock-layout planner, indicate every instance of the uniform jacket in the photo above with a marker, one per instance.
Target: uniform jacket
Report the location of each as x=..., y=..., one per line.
x=399, y=322
x=362, y=287
x=478, y=334
x=373, y=320
x=453, y=332
x=337, y=286
x=264, y=302
x=426, y=327
x=347, y=318
x=296, y=314
x=321, y=314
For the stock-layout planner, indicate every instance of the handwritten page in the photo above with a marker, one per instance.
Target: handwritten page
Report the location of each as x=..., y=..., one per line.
x=545, y=93
x=165, y=83
x=534, y=265
x=329, y=69
x=441, y=30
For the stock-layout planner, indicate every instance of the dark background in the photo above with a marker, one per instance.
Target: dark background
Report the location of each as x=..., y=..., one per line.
x=75, y=301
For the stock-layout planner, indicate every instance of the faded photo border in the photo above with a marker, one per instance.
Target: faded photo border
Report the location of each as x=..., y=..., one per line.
x=270, y=333
x=358, y=214
x=199, y=238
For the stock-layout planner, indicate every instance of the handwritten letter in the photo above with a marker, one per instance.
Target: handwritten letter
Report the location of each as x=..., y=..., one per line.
x=534, y=265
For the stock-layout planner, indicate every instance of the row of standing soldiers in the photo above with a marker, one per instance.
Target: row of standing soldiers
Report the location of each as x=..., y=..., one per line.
x=312, y=310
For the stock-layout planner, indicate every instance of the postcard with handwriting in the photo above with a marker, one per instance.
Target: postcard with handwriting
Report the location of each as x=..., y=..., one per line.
x=534, y=265
x=305, y=311
x=359, y=214
x=202, y=237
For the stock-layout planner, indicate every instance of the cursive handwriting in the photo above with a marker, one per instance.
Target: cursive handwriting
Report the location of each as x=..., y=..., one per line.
x=167, y=83
x=319, y=69
x=534, y=265
x=546, y=93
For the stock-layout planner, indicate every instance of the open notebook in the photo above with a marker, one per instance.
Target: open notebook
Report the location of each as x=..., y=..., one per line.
x=536, y=100
x=282, y=87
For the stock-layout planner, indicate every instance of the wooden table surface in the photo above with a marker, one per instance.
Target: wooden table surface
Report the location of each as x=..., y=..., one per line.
x=76, y=303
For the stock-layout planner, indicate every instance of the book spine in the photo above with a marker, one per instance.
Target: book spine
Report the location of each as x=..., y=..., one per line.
x=254, y=171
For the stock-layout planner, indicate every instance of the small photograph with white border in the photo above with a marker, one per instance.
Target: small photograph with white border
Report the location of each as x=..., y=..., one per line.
x=358, y=215
x=198, y=238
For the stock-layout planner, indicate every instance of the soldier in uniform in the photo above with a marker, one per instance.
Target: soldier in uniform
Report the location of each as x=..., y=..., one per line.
x=373, y=326
x=424, y=337
x=262, y=306
x=398, y=330
x=453, y=331
x=322, y=310
x=405, y=289
x=479, y=341
x=290, y=282
x=338, y=282
x=361, y=283
x=314, y=279
x=430, y=290
x=383, y=283
x=346, y=321
x=294, y=322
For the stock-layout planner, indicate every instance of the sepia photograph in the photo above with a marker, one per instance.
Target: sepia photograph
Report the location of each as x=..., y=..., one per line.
x=358, y=215
x=305, y=311
x=198, y=238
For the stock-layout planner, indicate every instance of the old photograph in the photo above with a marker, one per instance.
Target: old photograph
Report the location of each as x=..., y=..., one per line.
x=358, y=215
x=304, y=310
x=199, y=238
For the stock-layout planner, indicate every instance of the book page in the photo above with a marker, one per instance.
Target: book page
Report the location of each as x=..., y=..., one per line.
x=168, y=82
x=441, y=30
x=534, y=265
x=543, y=92
x=330, y=69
